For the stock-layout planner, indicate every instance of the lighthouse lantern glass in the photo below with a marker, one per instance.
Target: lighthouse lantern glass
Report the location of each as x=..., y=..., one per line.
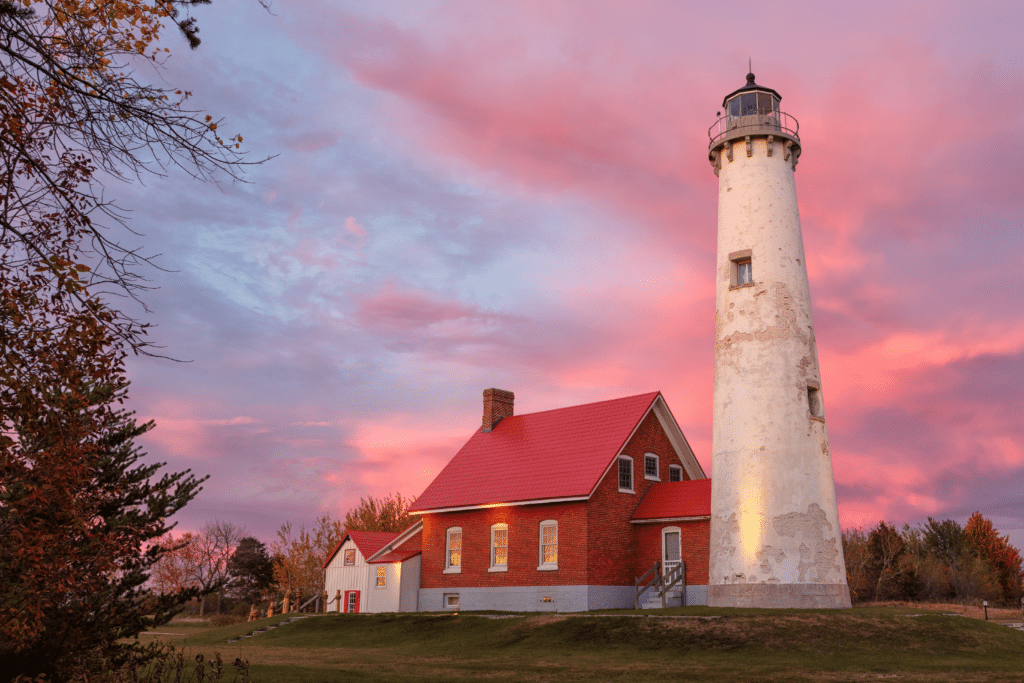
x=753, y=104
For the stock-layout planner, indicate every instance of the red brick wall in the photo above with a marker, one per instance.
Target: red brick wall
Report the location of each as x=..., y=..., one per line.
x=523, y=552
x=597, y=545
x=694, y=538
x=611, y=559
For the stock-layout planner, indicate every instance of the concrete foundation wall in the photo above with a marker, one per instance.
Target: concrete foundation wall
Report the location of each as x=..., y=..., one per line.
x=530, y=598
x=800, y=595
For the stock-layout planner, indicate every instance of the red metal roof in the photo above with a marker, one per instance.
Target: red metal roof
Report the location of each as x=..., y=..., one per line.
x=552, y=454
x=671, y=499
x=400, y=555
x=368, y=542
x=411, y=547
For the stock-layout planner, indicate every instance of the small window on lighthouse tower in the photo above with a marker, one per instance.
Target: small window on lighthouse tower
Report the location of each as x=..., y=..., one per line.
x=744, y=276
x=742, y=272
x=814, y=401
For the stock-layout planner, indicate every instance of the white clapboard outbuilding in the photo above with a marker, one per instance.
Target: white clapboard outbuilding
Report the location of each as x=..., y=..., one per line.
x=372, y=571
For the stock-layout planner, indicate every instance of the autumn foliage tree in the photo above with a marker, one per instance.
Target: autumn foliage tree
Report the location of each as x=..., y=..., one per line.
x=299, y=556
x=390, y=513
x=939, y=560
x=79, y=511
x=1003, y=558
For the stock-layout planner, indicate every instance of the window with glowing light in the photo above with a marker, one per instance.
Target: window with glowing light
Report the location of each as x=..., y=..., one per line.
x=453, y=551
x=382, y=576
x=625, y=474
x=548, y=545
x=499, y=547
x=350, y=557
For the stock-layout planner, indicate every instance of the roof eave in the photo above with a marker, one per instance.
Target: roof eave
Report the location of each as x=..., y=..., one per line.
x=655, y=520
x=485, y=506
x=397, y=541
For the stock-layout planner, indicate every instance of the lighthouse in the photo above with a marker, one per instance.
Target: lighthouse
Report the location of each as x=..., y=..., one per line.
x=775, y=535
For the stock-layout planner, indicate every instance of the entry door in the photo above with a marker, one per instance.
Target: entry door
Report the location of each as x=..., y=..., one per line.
x=670, y=550
x=351, y=601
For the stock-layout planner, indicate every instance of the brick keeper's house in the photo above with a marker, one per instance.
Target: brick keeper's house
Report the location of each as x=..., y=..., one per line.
x=561, y=510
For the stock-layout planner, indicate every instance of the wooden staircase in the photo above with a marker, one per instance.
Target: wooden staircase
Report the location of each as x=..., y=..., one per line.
x=658, y=590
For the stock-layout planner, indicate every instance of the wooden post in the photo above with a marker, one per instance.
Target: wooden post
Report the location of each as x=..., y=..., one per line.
x=323, y=600
x=285, y=609
x=270, y=609
x=252, y=613
x=337, y=599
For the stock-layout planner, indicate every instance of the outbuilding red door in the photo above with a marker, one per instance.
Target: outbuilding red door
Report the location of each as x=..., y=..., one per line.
x=352, y=601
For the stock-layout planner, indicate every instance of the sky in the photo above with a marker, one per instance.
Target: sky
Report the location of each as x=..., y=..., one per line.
x=463, y=195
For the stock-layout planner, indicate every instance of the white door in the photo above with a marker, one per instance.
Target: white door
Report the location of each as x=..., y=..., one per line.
x=670, y=550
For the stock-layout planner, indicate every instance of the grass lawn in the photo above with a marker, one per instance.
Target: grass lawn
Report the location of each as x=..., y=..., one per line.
x=906, y=643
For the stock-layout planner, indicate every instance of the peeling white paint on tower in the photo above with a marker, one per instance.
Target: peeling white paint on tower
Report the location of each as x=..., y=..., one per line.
x=775, y=536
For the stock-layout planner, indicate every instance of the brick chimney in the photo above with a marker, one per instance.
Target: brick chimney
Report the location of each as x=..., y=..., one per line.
x=497, y=404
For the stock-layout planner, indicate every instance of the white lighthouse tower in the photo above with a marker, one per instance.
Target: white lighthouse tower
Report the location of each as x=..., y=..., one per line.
x=775, y=536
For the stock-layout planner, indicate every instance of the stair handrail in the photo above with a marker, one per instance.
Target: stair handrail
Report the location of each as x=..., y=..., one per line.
x=670, y=579
x=637, y=583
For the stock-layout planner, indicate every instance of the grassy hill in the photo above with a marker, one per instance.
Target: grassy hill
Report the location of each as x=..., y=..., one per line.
x=706, y=644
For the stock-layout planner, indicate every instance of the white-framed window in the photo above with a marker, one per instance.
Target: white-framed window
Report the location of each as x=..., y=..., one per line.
x=675, y=473
x=625, y=474
x=453, y=551
x=548, y=545
x=744, y=272
x=350, y=557
x=499, y=548
x=651, y=467
x=451, y=601
x=382, y=575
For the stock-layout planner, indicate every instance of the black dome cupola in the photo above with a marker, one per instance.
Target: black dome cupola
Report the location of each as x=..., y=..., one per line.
x=751, y=99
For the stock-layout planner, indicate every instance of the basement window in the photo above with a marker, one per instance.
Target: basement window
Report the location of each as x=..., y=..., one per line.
x=814, y=402
x=741, y=272
x=451, y=601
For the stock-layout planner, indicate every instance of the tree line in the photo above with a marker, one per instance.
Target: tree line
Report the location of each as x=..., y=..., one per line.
x=935, y=561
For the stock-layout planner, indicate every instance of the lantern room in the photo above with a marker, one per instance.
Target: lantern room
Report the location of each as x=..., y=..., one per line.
x=753, y=111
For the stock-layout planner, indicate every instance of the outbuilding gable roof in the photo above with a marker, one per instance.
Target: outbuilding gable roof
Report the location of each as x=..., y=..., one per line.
x=675, y=500
x=407, y=544
x=550, y=455
x=368, y=542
